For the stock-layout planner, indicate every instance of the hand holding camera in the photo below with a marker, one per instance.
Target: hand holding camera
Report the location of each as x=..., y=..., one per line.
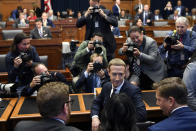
x=17, y=62
x=125, y=47
x=36, y=81
x=178, y=46
x=136, y=52
x=90, y=45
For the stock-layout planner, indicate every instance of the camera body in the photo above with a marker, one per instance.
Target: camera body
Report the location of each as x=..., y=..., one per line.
x=97, y=46
x=73, y=45
x=95, y=10
x=45, y=78
x=25, y=57
x=97, y=67
x=172, y=40
x=130, y=49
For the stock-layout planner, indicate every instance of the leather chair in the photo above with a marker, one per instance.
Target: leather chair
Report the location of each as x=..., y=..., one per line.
x=3, y=63
x=10, y=34
x=44, y=60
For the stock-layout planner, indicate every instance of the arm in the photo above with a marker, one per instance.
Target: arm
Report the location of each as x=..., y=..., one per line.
x=12, y=71
x=139, y=104
x=81, y=21
x=82, y=51
x=109, y=17
x=150, y=58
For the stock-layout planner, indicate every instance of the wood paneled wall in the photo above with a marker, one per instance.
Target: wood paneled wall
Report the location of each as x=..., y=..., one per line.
x=6, y=6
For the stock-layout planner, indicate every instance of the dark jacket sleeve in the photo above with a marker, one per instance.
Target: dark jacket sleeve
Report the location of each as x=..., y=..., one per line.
x=136, y=97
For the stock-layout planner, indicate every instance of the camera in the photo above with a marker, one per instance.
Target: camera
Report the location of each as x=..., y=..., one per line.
x=45, y=78
x=172, y=40
x=73, y=45
x=25, y=57
x=97, y=46
x=97, y=67
x=130, y=49
x=95, y=9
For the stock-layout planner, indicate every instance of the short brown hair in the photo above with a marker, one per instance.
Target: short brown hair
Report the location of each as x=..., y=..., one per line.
x=116, y=62
x=173, y=87
x=51, y=98
x=95, y=55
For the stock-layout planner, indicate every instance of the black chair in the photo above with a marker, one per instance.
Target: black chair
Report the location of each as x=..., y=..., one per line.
x=10, y=34
x=3, y=63
x=44, y=60
x=143, y=126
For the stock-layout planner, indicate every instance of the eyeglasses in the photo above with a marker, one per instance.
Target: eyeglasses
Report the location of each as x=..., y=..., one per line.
x=70, y=101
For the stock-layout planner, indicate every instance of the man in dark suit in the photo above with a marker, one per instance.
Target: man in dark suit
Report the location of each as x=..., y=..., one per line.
x=21, y=21
x=46, y=21
x=54, y=105
x=94, y=76
x=118, y=84
x=40, y=32
x=99, y=20
x=116, y=9
x=146, y=16
x=180, y=8
x=171, y=96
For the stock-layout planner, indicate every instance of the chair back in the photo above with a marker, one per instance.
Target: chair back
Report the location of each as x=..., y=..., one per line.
x=10, y=34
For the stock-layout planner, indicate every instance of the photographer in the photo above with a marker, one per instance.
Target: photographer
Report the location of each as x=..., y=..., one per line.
x=143, y=51
x=19, y=62
x=94, y=76
x=85, y=50
x=41, y=77
x=98, y=19
x=178, y=48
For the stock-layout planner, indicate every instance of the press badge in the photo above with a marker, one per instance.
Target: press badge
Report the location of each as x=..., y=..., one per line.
x=96, y=24
x=182, y=56
x=138, y=61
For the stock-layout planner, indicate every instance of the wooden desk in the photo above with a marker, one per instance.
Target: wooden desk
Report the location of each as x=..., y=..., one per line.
x=80, y=111
x=6, y=107
x=153, y=110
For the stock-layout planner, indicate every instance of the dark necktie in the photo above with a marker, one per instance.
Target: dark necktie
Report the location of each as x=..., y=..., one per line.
x=113, y=93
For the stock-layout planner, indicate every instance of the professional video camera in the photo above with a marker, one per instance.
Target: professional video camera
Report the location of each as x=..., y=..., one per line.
x=45, y=78
x=25, y=57
x=97, y=67
x=95, y=9
x=130, y=49
x=172, y=40
x=97, y=46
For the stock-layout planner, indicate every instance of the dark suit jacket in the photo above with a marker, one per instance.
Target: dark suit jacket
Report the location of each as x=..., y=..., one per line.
x=148, y=16
x=108, y=37
x=182, y=10
x=115, y=10
x=17, y=22
x=194, y=28
x=87, y=83
x=132, y=91
x=182, y=119
x=35, y=33
x=50, y=23
x=43, y=125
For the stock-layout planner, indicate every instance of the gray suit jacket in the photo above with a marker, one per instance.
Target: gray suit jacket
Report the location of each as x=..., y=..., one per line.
x=43, y=125
x=151, y=62
x=35, y=33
